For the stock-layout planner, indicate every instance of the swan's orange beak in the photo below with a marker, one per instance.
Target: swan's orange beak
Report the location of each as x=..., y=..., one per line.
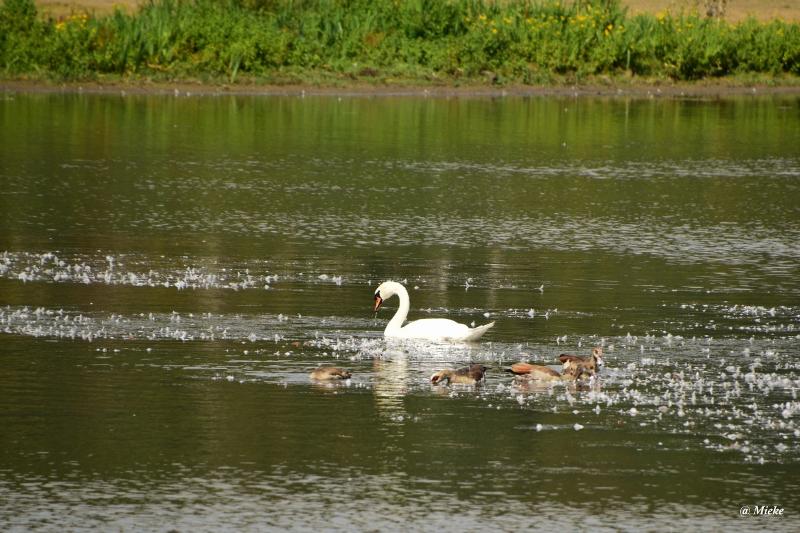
x=378, y=302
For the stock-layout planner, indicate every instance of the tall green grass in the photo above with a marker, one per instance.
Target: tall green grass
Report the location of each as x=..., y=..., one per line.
x=300, y=40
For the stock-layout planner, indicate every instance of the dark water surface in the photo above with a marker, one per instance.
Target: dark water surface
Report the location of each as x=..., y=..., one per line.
x=171, y=268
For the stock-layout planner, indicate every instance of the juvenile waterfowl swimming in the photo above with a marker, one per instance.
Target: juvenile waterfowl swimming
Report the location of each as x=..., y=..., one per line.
x=527, y=371
x=468, y=375
x=441, y=329
x=580, y=366
x=328, y=373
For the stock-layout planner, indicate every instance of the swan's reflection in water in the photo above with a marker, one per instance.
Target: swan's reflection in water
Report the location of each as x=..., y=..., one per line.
x=408, y=367
x=391, y=386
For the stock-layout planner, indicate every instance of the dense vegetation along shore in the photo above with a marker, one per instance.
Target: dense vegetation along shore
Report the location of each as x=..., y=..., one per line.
x=328, y=42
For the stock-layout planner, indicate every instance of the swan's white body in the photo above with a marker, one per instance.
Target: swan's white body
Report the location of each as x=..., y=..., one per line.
x=438, y=329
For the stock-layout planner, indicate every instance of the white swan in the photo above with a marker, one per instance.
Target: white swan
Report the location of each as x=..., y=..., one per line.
x=441, y=329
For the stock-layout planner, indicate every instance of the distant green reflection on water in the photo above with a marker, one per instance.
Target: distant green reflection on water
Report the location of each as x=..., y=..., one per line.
x=172, y=267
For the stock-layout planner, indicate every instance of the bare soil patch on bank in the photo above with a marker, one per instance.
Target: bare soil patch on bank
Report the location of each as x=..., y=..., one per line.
x=184, y=89
x=734, y=10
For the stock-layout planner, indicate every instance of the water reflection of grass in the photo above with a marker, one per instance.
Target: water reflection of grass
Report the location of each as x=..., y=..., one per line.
x=424, y=41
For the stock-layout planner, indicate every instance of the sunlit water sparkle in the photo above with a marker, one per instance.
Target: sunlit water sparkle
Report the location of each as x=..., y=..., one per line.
x=171, y=270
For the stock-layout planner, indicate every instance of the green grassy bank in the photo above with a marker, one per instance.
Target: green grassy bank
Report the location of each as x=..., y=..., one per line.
x=392, y=41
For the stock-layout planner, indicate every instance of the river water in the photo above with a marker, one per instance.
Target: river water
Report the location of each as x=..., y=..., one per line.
x=172, y=267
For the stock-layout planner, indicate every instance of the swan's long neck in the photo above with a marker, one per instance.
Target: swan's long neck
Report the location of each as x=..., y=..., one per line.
x=399, y=317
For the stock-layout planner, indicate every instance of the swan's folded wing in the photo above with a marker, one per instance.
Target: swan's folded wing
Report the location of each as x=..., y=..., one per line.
x=441, y=329
x=476, y=333
x=434, y=329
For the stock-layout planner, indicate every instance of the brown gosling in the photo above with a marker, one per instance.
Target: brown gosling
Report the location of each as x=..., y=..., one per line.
x=581, y=366
x=329, y=373
x=468, y=375
x=527, y=371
